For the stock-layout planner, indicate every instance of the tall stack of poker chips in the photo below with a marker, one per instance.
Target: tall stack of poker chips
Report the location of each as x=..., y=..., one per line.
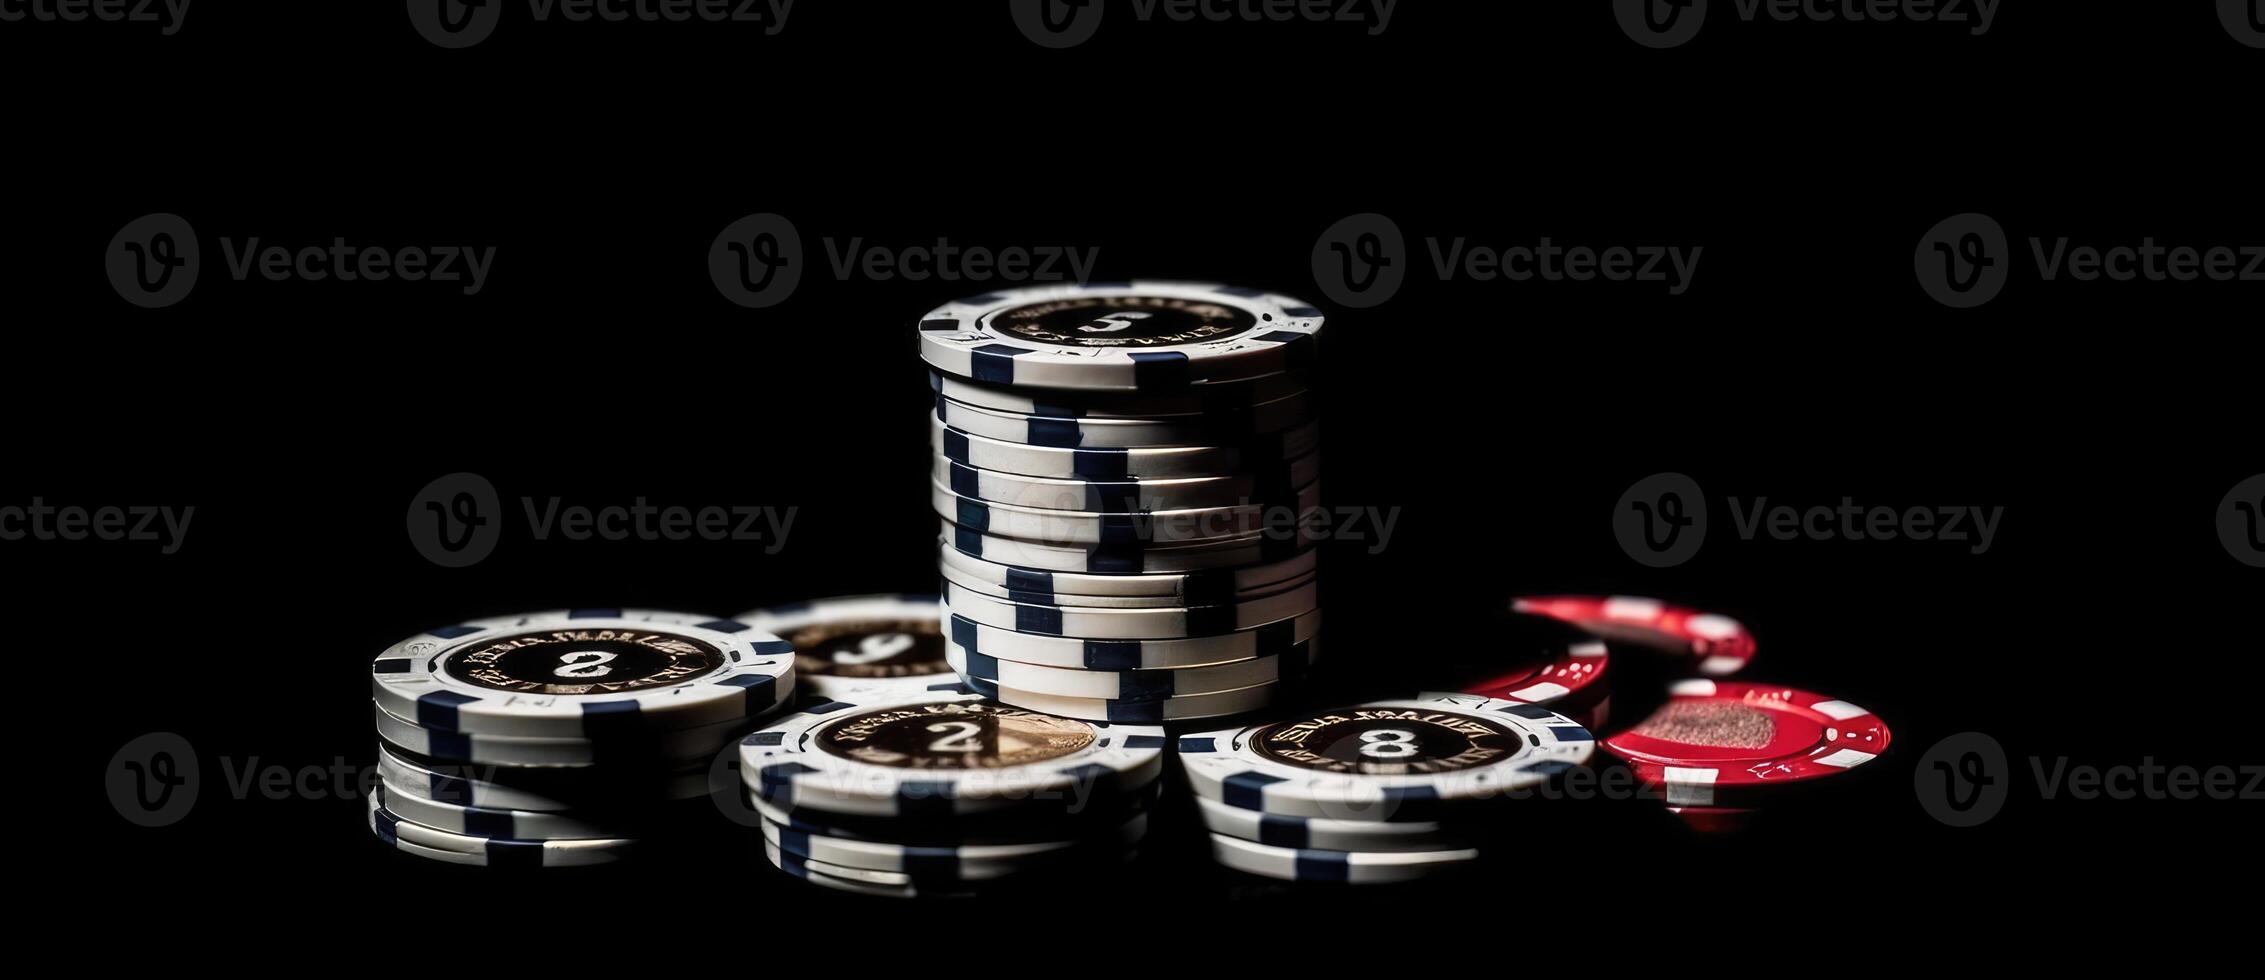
x=1125, y=473
x=945, y=793
x=560, y=738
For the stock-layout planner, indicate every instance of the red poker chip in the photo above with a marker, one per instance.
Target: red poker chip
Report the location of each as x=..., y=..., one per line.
x=1731, y=743
x=1538, y=660
x=1720, y=645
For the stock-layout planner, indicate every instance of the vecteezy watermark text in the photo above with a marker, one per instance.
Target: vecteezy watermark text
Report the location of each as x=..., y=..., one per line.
x=458, y=24
x=1362, y=261
x=758, y=261
x=457, y=520
x=1965, y=261
x=155, y=260
x=1662, y=520
x=167, y=15
x=168, y=527
x=1063, y=24
x=1672, y=23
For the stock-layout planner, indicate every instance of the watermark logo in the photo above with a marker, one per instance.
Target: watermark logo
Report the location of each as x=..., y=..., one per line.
x=2241, y=521
x=455, y=24
x=155, y=260
x=456, y=520
x=168, y=15
x=1361, y=261
x=2245, y=20
x=167, y=527
x=1057, y=24
x=1660, y=23
x=152, y=780
x=1963, y=780
x=152, y=262
x=1672, y=23
x=1662, y=520
x=1061, y=24
x=1962, y=261
x=756, y=261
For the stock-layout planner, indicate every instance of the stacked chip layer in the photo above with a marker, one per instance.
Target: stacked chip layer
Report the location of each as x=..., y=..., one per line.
x=1378, y=793
x=1125, y=472
x=945, y=793
x=559, y=738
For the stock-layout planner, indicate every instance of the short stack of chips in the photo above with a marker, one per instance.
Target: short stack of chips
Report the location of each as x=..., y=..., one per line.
x=1124, y=471
x=1378, y=793
x=947, y=793
x=560, y=738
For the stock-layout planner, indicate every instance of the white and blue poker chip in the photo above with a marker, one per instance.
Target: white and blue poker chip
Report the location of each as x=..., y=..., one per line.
x=419, y=840
x=1288, y=667
x=1130, y=532
x=1254, y=455
x=940, y=754
x=1129, y=496
x=1125, y=336
x=583, y=673
x=1389, y=760
x=1223, y=428
x=1337, y=867
x=1198, y=588
x=1273, y=639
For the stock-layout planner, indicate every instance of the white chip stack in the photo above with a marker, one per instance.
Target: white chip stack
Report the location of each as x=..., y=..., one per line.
x=1126, y=472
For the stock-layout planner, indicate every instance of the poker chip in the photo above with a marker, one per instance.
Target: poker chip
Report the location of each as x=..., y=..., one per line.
x=664, y=749
x=1197, y=588
x=1272, y=639
x=940, y=864
x=1132, y=336
x=416, y=839
x=1394, y=759
x=1733, y=744
x=583, y=673
x=1098, y=816
x=1137, y=685
x=548, y=790
x=938, y=753
x=1194, y=400
x=816, y=875
x=1256, y=455
x=488, y=821
x=1104, y=623
x=1127, y=560
x=1132, y=496
x=1126, y=531
x=1344, y=867
x=953, y=576
x=1186, y=707
x=1230, y=428
x=867, y=643
x=1542, y=662
x=1717, y=645
x=1301, y=833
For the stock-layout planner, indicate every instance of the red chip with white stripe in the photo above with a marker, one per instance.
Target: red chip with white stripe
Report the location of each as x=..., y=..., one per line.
x=1719, y=644
x=1539, y=660
x=1731, y=743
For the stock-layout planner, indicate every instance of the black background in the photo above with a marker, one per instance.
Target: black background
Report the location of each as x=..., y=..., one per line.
x=1503, y=420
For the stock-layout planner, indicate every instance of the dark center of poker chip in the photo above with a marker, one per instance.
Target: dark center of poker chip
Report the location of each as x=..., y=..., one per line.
x=953, y=735
x=1123, y=321
x=870, y=649
x=1388, y=741
x=588, y=661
